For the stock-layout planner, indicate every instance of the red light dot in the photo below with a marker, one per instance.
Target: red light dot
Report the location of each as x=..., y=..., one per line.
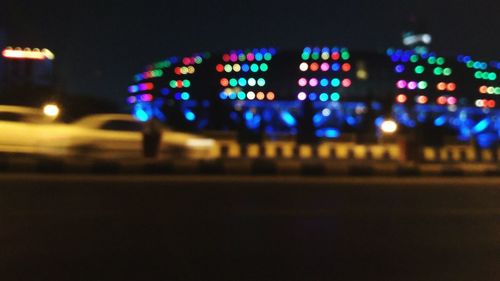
x=177, y=70
x=224, y=82
x=401, y=98
x=314, y=66
x=491, y=103
x=346, y=67
x=346, y=83
x=335, y=56
x=186, y=61
x=451, y=87
x=226, y=58
x=441, y=100
x=179, y=84
x=219, y=68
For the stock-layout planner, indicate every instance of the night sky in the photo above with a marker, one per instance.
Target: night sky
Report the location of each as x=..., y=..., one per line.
x=100, y=45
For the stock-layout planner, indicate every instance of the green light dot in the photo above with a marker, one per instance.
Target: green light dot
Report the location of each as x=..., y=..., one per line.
x=315, y=56
x=414, y=58
x=186, y=83
x=431, y=60
x=335, y=82
x=198, y=60
x=485, y=75
x=470, y=64
x=447, y=71
x=305, y=56
x=241, y=95
x=268, y=56
x=438, y=71
x=422, y=85
x=233, y=82
x=242, y=57
x=335, y=97
x=440, y=61
x=261, y=82
x=492, y=76
x=254, y=67
x=345, y=55
x=478, y=74
x=157, y=73
x=173, y=84
x=419, y=69
x=228, y=68
x=497, y=91
x=264, y=67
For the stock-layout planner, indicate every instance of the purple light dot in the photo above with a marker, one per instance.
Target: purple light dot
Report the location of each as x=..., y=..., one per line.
x=400, y=68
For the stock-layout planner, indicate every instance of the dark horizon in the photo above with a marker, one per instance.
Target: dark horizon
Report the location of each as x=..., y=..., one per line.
x=100, y=46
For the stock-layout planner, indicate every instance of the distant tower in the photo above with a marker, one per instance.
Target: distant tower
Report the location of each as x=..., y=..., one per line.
x=416, y=36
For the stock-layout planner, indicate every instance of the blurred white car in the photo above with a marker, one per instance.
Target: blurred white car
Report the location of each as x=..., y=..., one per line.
x=121, y=135
x=21, y=128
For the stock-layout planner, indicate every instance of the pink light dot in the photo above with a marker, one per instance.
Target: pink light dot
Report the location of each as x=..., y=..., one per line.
x=452, y=100
x=346, y=83
x=325, y=66
x=412, y=85
x=401, y=84
x=313, y=82
x=302, y=96
x=302, y=82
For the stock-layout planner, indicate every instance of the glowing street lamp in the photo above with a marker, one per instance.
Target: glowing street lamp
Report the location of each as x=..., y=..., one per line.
x=51, y=110
x=389, y=126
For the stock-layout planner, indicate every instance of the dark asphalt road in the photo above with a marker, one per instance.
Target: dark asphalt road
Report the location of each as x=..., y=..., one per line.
x=243, y=228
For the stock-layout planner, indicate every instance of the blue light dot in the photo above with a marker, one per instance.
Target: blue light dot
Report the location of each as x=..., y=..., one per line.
x=190, y=116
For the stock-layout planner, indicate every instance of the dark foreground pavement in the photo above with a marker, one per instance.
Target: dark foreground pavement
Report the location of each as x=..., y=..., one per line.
x=244, y=228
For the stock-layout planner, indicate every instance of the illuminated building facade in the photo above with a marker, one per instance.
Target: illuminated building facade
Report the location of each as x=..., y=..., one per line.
x=270, y=90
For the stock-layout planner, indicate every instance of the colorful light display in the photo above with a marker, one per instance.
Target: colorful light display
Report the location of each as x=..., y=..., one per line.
x=419, y=71
x=484, y=73
x=317, y=81
x=247, y=80
x=244, y=74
